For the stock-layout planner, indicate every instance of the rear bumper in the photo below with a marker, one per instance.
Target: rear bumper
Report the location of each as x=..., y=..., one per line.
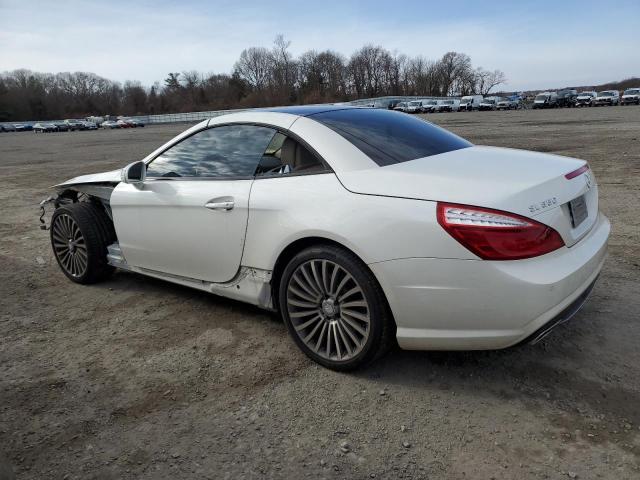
x=451, y=304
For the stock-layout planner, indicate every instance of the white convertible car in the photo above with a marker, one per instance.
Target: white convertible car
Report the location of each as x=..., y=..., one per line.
x=359, y=225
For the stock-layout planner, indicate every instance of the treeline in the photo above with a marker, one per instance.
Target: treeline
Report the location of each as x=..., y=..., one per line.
x=261, y=77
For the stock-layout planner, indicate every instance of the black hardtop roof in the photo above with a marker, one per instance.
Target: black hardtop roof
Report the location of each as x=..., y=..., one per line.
x=306, y=110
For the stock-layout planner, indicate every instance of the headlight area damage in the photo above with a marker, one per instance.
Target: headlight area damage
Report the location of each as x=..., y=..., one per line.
x=99, y=194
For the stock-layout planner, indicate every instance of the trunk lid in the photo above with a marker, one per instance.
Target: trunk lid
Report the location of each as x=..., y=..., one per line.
x=527, y=183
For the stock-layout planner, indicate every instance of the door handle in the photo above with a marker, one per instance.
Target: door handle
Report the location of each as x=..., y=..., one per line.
x=226, y=205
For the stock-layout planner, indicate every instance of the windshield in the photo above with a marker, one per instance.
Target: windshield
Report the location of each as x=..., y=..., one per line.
x=605, y=94
x=414, y=104
x=448, y=102
x=466, y=99
x=490, y=101
x=585, y=94
x=632, y=91
x=542, y=97
x=389, y=137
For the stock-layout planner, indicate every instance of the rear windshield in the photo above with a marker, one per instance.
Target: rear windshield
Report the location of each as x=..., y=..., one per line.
x=390, y=137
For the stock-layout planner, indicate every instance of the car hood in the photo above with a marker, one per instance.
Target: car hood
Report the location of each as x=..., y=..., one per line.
x=113, y=176
x=502, y=178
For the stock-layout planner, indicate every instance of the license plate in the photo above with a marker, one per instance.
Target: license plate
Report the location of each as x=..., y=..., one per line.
x=578, y=210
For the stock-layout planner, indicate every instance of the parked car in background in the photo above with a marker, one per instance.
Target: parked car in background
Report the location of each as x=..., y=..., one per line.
x=124, y=124
x=401, y=107
x=97, y=120
x=470, y=102
x=415, y=106
x=630, y=96
x=43, y=127
x=74, y=124
x=109, y=124
x=586, y=99
x=8, y=127
x=62, y=126
x=390, y=104
x=138, y=123
x=429, y=106
x=607, y=98
x=488, y=103
x=449, y=105
x=507, y=104
x=89, y=125
x=567, y=97
x=546, y=100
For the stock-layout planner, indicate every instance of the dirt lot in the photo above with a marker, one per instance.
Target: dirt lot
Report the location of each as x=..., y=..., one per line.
x=136, y=378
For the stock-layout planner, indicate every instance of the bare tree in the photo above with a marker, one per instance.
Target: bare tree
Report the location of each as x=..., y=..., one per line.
x=253, y=66
x=486, y=80
x=261, y=77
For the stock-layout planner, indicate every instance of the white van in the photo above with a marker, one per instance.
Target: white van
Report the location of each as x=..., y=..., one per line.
x=470, y=102
x=429, y=106
x=415, y=106
x=449, y=105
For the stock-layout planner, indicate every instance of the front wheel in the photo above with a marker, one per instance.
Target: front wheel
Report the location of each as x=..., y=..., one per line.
x=80, y=235
x=334, y=308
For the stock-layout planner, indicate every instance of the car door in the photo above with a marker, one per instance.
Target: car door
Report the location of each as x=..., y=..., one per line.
x=189, y=217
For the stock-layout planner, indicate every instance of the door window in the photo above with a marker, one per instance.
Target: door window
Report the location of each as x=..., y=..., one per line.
x=227, y=151
x=285, y=155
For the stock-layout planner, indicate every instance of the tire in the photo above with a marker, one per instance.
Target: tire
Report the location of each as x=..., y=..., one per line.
x=80, y=234
x=315, y=289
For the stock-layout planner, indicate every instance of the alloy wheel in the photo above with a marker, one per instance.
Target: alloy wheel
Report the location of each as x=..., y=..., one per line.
x=69, y=245
x=328, y=310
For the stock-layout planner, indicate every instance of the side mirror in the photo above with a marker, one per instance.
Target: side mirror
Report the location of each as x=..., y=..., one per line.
x=135, y=172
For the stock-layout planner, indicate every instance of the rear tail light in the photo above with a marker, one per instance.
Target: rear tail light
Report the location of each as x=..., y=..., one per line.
x=497, y=235
x=577, y=172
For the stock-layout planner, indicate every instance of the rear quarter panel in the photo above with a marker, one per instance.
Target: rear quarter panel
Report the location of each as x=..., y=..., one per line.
x=285, y=209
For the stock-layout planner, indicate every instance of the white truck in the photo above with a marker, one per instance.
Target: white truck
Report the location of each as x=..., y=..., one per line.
x=429, y=106
x=608, y=98
x=415, y=106
x=489, y=103
x=586, y=99
x=449, y=105
x=630, y=96
x=470, y=102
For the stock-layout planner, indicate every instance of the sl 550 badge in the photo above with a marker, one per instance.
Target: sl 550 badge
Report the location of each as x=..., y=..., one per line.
x=544, y=204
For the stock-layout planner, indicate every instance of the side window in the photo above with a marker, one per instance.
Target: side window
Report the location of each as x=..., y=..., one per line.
x=285, y=155
x=226, y=151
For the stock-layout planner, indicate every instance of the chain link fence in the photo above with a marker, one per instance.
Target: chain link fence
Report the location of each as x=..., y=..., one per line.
x=194, y=117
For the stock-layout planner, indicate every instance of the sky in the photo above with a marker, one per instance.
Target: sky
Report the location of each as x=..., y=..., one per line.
x=538, y=44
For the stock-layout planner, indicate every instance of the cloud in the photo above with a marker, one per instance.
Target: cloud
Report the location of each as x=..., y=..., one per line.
x=146, y=40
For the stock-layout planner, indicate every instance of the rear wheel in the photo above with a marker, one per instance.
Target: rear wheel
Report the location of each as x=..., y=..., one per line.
x=80, y=234
x=334, y=308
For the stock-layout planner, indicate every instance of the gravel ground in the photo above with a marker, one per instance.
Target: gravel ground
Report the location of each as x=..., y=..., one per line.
x=136, y=378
